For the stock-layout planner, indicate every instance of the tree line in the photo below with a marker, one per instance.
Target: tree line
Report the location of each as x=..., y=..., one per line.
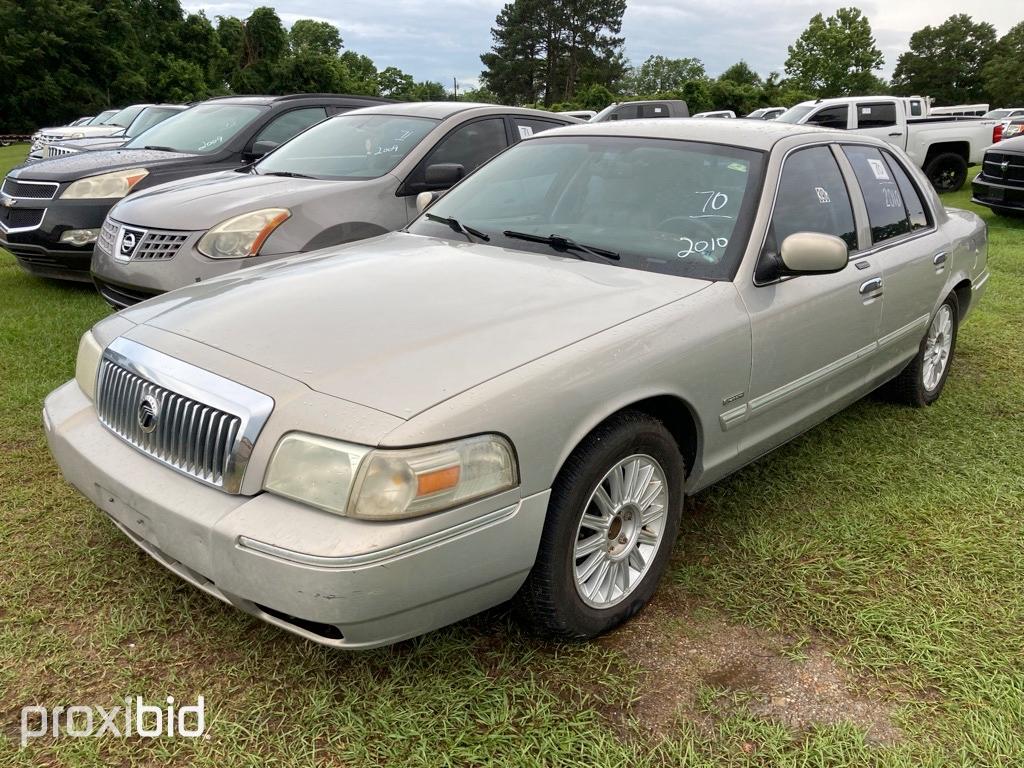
x=64, y=58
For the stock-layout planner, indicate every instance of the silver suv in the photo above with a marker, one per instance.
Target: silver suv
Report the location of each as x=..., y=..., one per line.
x=350, y=177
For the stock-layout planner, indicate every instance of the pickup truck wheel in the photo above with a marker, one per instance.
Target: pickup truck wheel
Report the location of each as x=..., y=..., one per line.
x=612, y=520
x=921, y=382
x=947, y=172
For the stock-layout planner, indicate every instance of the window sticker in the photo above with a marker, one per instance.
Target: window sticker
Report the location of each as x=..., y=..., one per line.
x=657, y=110
x=525, y=131
x=878, y=168
x=823, y=197
x=865, y=110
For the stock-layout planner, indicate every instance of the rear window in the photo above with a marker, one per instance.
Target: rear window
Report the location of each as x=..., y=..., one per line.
x=879, y=115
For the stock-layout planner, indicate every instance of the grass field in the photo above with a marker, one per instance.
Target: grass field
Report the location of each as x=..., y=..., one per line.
x=855, y=599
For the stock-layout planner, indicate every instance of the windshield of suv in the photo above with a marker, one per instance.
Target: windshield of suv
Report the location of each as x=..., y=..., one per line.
x=349, y=146
x=794, y=114
x=201, y=129
x=149, y=117
x=125, y=116
x=675, y=207
x=103, y=117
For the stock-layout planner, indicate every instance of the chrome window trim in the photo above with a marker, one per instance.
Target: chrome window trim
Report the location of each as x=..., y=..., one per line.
x=202, y=386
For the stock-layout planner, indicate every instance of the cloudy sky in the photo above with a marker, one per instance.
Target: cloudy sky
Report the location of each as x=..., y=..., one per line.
x=443, y=39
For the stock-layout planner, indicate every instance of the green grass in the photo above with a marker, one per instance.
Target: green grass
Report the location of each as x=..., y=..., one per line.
x=887, y=540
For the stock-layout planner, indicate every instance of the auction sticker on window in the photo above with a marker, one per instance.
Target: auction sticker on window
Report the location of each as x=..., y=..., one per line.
x=878, y=168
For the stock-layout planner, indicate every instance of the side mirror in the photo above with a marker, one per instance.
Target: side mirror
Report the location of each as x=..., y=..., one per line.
x=813, y=253
x=424, y=200
x=443, y=175
x=260, y=148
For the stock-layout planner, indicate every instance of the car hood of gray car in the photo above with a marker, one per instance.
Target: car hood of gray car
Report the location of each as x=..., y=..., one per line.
x=402, y=322
x=205, y=201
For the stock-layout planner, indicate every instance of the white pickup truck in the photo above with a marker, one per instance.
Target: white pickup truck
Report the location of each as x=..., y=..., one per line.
x=942, y=146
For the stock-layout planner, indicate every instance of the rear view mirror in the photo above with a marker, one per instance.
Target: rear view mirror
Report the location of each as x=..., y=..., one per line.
x=443, y=175
x=813, y=253
x=260, y=148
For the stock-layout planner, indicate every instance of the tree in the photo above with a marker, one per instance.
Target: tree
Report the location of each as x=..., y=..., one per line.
x=741, y=74
x=1001, y=74
x=835, y=56
x=947, y=61
x=310, y=36
x=394, y=83
x=547, y=50
x=263, y=46
x=429, y=90
x=659, y=74
x=360, y=74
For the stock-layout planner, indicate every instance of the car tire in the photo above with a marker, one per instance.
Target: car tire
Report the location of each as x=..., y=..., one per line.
x=604, y=549
x=920, y=384
x=947, y=172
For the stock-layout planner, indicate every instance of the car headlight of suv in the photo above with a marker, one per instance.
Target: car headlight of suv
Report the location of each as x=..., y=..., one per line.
x=387, y=484
x=242, y=236
x=87, y=364
x=106, y=186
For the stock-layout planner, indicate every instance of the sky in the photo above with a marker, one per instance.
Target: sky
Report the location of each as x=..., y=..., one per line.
x=442, y=39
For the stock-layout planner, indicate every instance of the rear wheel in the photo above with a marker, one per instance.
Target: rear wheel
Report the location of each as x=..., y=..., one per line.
x=612, y=521
x=921, y=382
x=947, y=172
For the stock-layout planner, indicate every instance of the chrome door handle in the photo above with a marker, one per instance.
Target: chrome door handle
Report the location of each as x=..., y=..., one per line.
x=895, y=134
x=940, y=258
x=870, y=286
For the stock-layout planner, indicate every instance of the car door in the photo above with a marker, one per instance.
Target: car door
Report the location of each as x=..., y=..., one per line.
x=905, y=243
x=469, y=144
x=878, y=119
x=813, y=336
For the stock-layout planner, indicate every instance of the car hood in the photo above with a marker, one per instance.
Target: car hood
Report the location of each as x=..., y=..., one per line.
x=402, y=322
x=201, y=202
x=87, y=131
x=91, y=145
x=71, y=167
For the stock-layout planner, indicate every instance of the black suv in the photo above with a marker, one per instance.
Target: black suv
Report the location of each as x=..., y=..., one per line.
x=51, y=211
x=1000, y=185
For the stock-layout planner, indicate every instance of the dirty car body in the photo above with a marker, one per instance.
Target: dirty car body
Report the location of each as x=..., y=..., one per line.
x=199, y=421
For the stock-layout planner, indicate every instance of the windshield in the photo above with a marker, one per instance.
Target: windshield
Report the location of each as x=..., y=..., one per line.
x=149, y=117
x=794, y=114
x=349, y=147
x=125, y=116
x=103, y=117
x=201, y=129
x=675, y=207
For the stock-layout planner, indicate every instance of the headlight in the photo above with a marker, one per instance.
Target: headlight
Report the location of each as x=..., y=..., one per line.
x=87, y=364
x=243, y=235
x=77, y=135
x=389, y=484
x=107, y=186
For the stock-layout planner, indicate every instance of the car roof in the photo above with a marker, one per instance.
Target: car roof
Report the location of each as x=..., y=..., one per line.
x=755, y=134
x=322, y=97
x=442, y=110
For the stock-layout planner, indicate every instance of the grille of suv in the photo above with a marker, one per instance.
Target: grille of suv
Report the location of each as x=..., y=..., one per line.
x=157, y=246
x=1004, y=168
x=29, y=190
x=53, y=150
x=21, y=218
x=204, y=426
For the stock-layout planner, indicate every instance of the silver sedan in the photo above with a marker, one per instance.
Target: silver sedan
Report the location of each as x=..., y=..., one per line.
x=513, y=397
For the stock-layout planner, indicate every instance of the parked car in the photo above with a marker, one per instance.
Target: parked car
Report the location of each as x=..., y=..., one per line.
x=56, y=207
x=146, y=119
x=942, y=146
x=766, y=113
x=634, y=110
x=350, y=177
x=1000, y=185
x=1015, y=127
x=1005, y=115
x=511, y=398
x=720, y=113
x=117, y=122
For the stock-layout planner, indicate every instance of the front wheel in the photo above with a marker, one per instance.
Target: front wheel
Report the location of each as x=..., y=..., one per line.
x=921, y=382
x=612, y=520
x=947, y=172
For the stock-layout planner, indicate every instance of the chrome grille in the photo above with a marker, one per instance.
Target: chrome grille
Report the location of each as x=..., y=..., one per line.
x=29, y=190
x=185, y=417
x=107, y=236
x=1004, y=168
x=55, y=150
x=156, y=246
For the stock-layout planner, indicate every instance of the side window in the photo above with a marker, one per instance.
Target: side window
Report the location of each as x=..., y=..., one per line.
x=527, y=126
x=916, y=210
x=812, y=197
x=625, y=112
x=471, y=145
x=653, y=110
x=915, y=108
x=831, y=117
x=878, y=115
x=283, y=127
x=886, y=214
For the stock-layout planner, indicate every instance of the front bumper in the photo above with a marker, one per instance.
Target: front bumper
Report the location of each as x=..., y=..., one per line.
x=39, y=250
x=266, y=555
x=994, y=195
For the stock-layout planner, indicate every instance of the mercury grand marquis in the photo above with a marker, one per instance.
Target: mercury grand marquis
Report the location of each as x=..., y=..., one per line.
x=512, y=397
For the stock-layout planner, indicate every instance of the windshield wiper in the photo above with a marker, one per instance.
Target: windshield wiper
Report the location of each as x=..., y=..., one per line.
x=560, y=243
x=288, y=174
x=457, y=226
x=162, y=149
